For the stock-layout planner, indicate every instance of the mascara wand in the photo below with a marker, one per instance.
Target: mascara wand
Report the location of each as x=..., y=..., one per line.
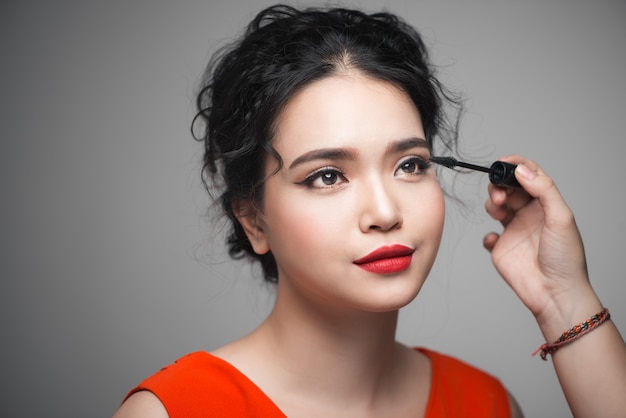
x=500, y=173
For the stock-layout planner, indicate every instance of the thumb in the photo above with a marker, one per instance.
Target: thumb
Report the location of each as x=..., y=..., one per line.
x=542, y=187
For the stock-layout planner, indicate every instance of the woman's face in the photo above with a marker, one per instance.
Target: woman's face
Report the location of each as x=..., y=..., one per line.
x=354, y=217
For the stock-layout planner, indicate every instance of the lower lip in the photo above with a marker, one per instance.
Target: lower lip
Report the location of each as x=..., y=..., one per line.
x=388, y=265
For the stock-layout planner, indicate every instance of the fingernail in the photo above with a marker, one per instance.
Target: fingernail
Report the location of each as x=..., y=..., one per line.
x=526, y=172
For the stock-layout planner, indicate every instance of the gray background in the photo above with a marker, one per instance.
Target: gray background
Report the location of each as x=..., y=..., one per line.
x=109, y=268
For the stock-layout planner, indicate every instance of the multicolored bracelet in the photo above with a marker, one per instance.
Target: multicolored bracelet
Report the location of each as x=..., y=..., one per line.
x=574, y=333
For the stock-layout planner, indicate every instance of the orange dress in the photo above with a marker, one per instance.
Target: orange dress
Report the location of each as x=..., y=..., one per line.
x=202, y=385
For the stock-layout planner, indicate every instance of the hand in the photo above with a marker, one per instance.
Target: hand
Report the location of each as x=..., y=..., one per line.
x=540, y=252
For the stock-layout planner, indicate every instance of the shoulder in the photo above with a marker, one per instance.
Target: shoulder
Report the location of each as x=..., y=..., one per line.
x=142, y=404
x=160, y=394
x=200, y=384
x=145, y=399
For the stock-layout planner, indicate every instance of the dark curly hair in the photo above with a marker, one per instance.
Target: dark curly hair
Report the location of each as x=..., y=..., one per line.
x=247, y=84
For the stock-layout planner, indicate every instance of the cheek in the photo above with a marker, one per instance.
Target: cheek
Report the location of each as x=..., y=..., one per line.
x=428, y=211
x=298, y=224
x=438, y=206
x=440, y=220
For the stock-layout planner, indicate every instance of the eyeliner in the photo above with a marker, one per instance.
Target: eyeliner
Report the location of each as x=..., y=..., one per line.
x=500, y=172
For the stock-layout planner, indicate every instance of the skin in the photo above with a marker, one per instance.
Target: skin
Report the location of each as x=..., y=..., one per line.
x=333, y=326
x=372, y=202
x=331, y=336
x=541, y=256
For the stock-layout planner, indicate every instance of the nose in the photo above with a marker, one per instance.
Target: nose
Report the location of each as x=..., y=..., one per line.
x=379, y=209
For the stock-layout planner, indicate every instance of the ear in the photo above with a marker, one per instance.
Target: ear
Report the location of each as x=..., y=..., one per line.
x=252, y=222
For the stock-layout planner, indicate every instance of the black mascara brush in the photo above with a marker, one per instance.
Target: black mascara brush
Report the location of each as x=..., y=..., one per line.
x=500, y=173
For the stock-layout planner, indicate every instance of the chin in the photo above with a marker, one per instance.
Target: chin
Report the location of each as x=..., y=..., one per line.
x=388, y=300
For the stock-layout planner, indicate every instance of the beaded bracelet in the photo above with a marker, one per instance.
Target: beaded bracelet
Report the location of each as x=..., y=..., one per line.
x=574, y=333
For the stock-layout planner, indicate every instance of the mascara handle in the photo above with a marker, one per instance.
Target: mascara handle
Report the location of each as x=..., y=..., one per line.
x=503, y=174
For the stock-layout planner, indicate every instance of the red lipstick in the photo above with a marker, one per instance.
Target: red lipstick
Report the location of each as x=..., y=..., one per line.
x=387, y=259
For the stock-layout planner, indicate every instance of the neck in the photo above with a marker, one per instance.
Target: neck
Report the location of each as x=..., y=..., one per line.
x=318, y=347
x=353, y=335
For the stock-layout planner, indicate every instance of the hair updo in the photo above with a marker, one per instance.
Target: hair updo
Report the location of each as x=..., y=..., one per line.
x=246, y=86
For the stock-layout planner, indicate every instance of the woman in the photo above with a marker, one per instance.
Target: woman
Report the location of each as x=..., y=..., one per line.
x=319, y=129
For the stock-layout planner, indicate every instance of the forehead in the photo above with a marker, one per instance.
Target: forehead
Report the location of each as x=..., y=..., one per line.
x=345, y=110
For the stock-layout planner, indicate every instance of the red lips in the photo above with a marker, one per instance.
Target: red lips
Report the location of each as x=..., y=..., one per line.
x=387, y=259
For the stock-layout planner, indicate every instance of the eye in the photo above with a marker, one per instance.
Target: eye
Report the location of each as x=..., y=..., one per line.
x=324, y=178
x=412, y=165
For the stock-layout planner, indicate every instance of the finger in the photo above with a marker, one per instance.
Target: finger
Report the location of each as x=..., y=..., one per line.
x=543, y=188
x=499, y=212
x=498, y=194
x=490, y=240
x=503, y=203
x=515, y=199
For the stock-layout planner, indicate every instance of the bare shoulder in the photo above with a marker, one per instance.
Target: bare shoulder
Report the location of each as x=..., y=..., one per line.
x=516, y=411
x=142, y=404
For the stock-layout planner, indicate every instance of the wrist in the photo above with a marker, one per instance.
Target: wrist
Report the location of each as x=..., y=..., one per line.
x=566, y=311
x=574, y=333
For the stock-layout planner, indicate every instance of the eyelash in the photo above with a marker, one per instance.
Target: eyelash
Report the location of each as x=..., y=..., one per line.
x=421, y=166
x=309, y=180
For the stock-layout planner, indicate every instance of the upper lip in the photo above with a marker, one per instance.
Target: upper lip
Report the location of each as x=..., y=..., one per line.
x=387, y=251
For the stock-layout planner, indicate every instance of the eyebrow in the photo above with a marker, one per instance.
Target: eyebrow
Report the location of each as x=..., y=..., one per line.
x=350, y=154
x=324, y=154
x=407, y=144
